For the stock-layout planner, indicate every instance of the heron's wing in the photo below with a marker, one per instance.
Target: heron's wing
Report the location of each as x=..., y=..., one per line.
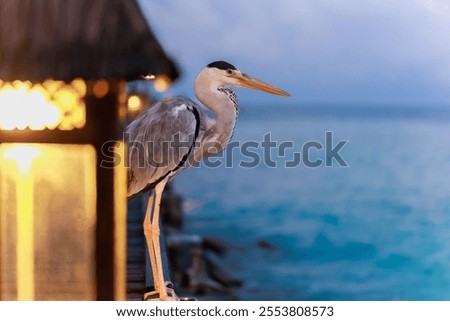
x=160, y=141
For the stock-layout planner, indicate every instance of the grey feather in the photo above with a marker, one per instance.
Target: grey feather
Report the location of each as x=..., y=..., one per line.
x=160, y=141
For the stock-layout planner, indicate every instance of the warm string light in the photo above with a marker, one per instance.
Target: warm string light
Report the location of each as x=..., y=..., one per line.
x=134, y=103
x=51, y=104
x=101, y=88
x=161, y=82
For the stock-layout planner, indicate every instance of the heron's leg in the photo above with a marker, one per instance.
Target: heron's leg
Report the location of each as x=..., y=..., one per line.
x=158, y=275
x=148, y=232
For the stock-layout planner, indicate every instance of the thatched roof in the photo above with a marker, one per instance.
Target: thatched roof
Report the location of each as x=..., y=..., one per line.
x=65, y=39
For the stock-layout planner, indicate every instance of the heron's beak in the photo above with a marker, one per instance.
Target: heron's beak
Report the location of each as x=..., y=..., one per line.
x=250, y=82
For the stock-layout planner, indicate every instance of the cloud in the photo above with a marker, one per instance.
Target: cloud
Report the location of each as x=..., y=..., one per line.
x=324, y=49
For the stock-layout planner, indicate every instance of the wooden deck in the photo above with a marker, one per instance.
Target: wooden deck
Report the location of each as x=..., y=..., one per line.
x=136, y=250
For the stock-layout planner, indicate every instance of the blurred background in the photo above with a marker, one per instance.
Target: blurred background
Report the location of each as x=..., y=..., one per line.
x=375, y=74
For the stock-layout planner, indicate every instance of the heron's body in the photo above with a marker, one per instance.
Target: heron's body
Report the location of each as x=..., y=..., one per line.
x=175, y=133
x=169, y=118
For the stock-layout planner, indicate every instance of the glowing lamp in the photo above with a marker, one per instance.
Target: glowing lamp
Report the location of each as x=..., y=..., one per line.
x=54, y=193
x=63, y=106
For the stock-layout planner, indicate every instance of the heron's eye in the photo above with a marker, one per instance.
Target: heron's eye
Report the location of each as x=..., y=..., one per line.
x=229, y=72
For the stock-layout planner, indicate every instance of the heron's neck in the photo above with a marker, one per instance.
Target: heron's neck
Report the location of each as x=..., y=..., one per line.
x=222, y=101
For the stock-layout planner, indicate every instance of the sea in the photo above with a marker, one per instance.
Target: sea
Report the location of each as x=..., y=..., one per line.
x=341, y=202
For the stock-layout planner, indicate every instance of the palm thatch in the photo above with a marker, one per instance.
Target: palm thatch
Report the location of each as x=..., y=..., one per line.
x=65, y=39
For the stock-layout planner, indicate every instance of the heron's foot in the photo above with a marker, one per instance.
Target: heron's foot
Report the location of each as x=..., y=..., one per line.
x=170, y=294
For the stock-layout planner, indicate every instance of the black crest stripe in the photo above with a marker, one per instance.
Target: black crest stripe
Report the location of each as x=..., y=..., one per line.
x=221, y=65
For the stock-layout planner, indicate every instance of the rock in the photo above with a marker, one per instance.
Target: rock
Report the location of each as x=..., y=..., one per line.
x=267, y=245
x=215, y=244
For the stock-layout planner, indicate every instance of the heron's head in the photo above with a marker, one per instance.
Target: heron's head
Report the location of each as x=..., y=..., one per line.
x=222, y=73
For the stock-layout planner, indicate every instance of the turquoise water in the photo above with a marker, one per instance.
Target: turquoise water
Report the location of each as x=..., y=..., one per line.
x=378, y=229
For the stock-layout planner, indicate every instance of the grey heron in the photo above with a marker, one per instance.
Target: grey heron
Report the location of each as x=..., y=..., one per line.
x=174, y=134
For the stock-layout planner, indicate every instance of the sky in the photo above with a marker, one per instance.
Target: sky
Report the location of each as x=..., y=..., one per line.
x=321, y=51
